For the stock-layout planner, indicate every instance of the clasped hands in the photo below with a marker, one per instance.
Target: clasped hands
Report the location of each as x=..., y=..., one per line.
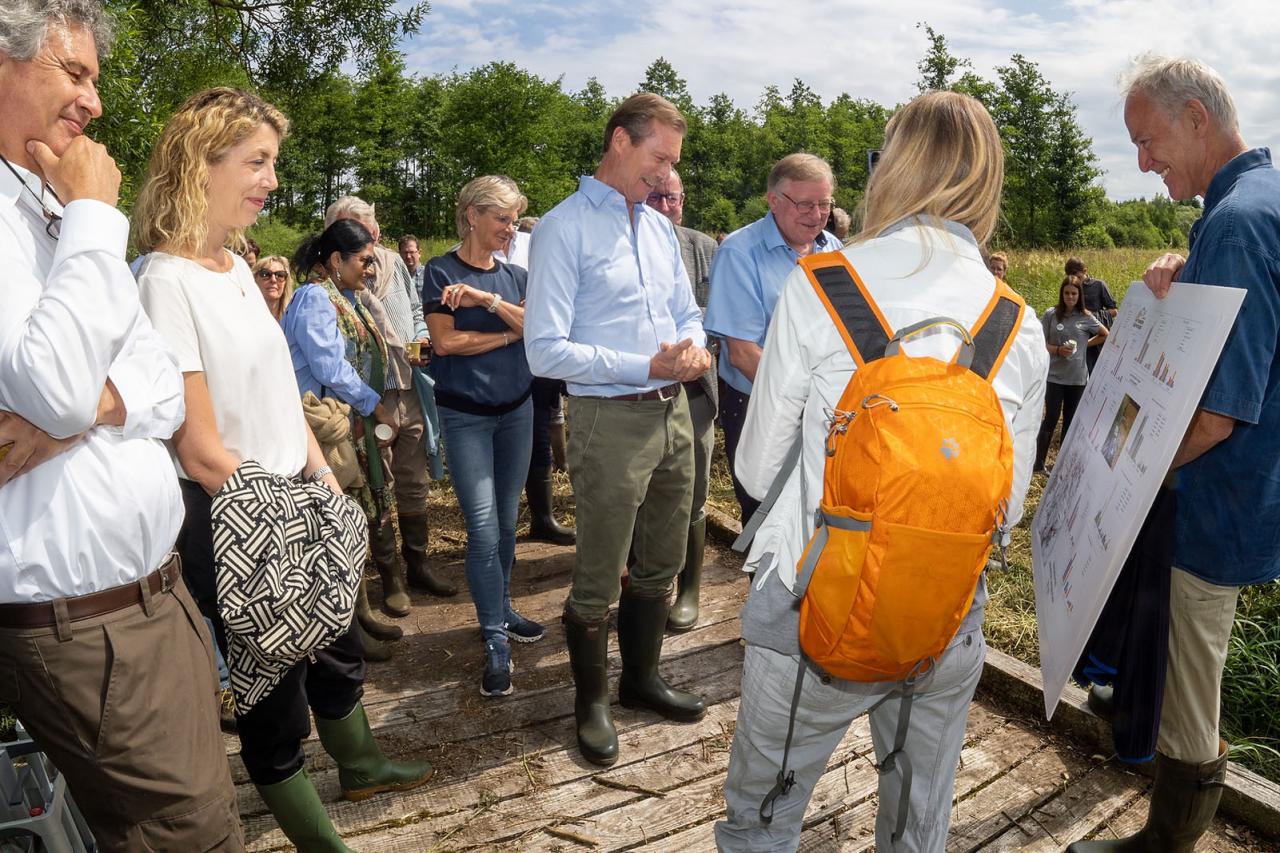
x=682, y=362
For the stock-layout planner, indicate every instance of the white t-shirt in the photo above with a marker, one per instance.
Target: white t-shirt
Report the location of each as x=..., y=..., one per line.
x=218, y=323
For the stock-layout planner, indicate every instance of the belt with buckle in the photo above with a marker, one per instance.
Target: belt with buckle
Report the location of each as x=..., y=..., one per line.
x=666, y=392
x=41, y=614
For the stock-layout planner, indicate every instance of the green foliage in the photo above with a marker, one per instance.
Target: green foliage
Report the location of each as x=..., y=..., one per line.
x=1251, y=681
x=274, y=237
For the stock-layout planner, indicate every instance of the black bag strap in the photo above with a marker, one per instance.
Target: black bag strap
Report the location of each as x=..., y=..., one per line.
x=785, y=779
x=996, y=329
x=846, y=299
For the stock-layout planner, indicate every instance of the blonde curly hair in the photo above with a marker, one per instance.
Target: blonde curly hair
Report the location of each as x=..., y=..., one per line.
x=173, y=204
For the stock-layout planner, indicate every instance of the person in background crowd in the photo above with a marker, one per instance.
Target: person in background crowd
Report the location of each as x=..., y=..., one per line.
x=1069, y=330
x=1097, y=300
x=475, y=306
x=526, y=224
x=209, y=175
x=88, y=581
x=412, y=257
x=401, y=306
x=746, y=280
x=275, y=280
x=839, y=223
x=934, y=198
x=998, y=263
x=697, y=251
x=337, y=350
x=611, y=312
x=250, y=252
x=1181, y=117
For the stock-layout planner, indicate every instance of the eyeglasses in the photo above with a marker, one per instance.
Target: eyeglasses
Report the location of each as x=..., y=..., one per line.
x=823, y=206
x=367, y=263
x=281, y=275
x=656, y=199
x=52, y=221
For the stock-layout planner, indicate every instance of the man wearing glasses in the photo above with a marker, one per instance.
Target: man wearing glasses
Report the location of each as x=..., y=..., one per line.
x=102, y=653
x=747, y=277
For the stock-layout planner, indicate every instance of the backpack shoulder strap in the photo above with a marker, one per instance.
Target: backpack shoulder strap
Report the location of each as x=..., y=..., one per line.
x=846, y=299
x=996, y=330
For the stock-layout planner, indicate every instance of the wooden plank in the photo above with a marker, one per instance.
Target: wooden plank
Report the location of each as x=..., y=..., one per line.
x=545, y=755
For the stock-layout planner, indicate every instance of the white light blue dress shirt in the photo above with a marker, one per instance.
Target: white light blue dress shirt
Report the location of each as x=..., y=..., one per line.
x=603, y=295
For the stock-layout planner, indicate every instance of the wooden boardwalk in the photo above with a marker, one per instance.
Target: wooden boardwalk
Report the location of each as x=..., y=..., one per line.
x=509, y=776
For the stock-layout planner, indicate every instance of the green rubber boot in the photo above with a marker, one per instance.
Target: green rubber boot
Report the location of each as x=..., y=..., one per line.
x=1184, y=799
x=589, y=658
x=642, y=622
x=302, y=818
x=684, y=613
x=362, y=768
x=395, y=591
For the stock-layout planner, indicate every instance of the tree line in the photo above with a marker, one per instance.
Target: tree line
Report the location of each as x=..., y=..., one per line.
x=408, y=142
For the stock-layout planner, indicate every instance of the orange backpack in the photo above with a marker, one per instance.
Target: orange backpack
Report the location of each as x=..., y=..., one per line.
x=915, y=492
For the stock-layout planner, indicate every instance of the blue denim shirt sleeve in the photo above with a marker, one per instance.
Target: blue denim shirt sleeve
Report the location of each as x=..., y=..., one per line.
x=311, y=326
x=1239, y=382
x=554, y=281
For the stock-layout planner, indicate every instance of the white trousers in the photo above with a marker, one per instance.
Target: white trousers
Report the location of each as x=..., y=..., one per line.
x=827, y=707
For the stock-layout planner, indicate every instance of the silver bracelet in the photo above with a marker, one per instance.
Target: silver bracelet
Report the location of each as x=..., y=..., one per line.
x=319, y=474
x=493, y=306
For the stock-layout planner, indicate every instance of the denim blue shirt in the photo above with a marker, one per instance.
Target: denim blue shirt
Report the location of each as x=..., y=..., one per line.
x=319, y=352
x=1229, y=498
x=603, y=295
x=746, y=280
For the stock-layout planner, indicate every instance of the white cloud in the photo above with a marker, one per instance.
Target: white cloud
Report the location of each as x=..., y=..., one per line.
x=870, y=49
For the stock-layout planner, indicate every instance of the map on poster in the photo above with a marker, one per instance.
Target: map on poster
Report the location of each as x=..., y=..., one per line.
x=1139, y=401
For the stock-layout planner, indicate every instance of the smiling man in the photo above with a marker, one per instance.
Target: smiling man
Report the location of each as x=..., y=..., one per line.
x=103, y=654
x=1182, y=119
x=746, y=281
x=610, y=311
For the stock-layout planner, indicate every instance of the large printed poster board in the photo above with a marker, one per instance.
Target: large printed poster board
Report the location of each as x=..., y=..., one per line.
x=1140, y=399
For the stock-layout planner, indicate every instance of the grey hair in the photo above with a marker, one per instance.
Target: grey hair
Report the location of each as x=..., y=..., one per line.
x=24, y=24
x=1173, y=81
x=350, y=207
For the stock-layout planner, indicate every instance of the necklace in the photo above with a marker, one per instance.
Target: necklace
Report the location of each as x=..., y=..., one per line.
x=53, y=221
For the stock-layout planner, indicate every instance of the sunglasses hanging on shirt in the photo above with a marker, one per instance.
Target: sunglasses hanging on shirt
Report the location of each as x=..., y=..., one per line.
x=53, y=222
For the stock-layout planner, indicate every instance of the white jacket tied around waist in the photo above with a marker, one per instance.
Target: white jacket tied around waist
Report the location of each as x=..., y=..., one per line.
x=913, y=273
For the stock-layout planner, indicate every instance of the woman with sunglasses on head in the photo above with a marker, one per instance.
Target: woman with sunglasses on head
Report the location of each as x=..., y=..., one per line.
x=208, y=178
x=274, y=279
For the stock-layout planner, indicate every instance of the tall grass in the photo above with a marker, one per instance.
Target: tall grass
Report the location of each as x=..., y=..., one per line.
x=1037, y=273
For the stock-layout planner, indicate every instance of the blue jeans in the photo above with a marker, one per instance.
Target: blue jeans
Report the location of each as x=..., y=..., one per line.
x=488, y=458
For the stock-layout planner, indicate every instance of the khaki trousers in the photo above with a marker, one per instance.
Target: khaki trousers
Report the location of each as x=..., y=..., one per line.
x=124, y=706
x=631, y=464
x=407, y=455
x=1201, y=615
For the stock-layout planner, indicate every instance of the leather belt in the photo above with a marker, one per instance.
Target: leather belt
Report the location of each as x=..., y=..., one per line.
x=666, y=392
x=42, y=614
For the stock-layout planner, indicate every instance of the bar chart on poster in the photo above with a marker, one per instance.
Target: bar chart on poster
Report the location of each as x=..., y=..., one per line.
x=1127, y=428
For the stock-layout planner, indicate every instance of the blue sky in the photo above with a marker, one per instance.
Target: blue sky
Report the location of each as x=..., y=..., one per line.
x=869, y=49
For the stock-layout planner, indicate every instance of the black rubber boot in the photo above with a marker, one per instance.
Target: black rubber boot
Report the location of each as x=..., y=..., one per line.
x=375, y=650
x=542, y=524
x=362, y=768
x=1184, y=799
x=641, y=626
x=1102, y=701
x=302, y=818
x=369, y=622
x=414, y=531
x=589, y=658
x=395, y=594
x=684, y=613
x=559, y=447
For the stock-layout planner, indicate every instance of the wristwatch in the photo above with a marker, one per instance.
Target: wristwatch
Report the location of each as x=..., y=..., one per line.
x=319, y=474
x=493, y=306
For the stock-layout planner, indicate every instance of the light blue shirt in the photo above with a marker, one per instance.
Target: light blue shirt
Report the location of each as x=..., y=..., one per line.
x=603, y=295
x=319, y=352
x=747, y=275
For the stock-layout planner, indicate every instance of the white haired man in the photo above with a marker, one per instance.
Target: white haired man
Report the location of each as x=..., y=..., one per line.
x=103, y=654
x=746, y=281
x=1182, y=119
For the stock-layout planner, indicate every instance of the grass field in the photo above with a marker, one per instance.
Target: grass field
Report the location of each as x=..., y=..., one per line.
x=1037, y=273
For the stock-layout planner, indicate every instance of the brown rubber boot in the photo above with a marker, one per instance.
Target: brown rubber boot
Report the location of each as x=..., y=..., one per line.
x=395, y=594
x=375, y=628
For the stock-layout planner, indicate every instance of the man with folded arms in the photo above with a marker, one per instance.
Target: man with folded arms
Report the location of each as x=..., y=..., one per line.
x=610, y=310
x=103, y=654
